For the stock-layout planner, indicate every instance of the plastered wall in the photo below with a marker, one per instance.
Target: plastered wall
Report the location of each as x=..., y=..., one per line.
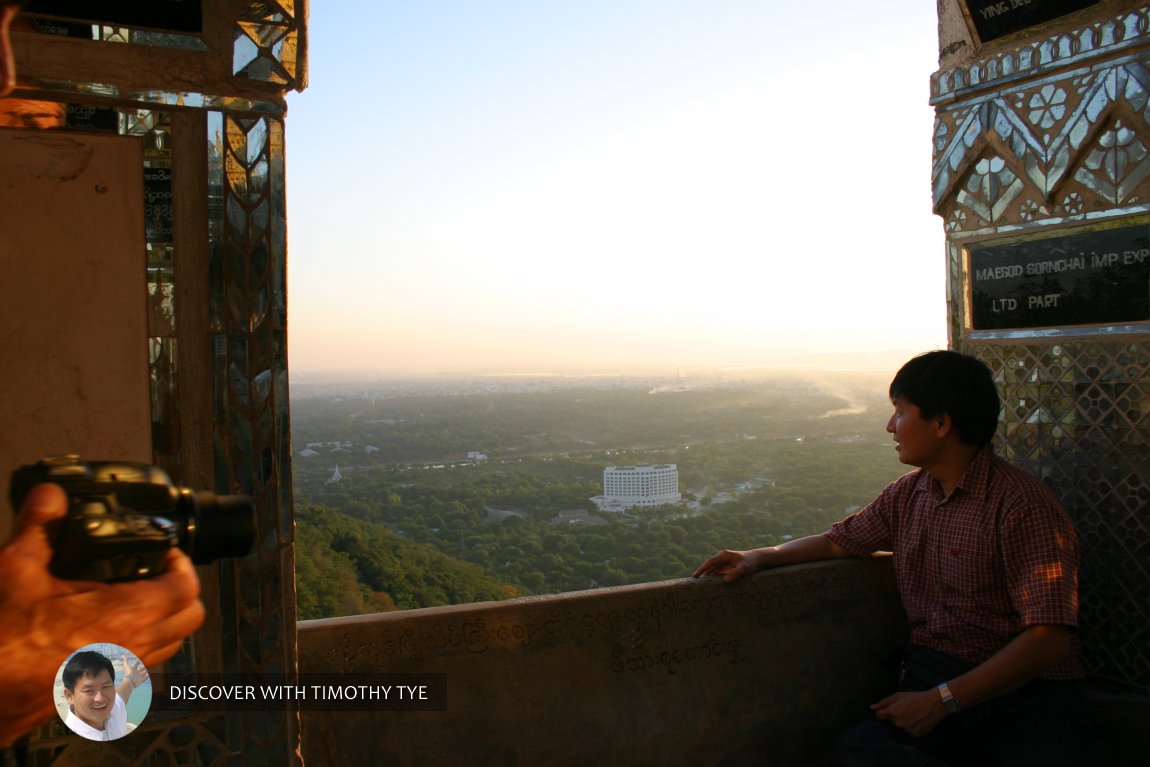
x=684, y=672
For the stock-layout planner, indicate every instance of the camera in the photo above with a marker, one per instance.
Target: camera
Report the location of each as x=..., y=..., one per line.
x=124, y=517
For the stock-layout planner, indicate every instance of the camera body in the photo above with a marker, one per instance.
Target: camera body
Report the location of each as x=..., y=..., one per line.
x=124, y=517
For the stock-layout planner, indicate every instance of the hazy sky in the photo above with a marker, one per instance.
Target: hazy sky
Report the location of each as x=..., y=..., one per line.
x=541, y=184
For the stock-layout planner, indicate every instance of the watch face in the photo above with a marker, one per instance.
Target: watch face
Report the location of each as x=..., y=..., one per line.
x=949, y=702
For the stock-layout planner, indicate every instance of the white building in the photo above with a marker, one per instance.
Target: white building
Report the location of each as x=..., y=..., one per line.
x=644, y=484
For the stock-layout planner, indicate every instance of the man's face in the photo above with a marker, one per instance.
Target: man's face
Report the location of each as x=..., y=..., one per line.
x=917, y=440
x=92, y=698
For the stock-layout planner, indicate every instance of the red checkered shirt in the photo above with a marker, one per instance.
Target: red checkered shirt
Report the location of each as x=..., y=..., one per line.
x=975, y=569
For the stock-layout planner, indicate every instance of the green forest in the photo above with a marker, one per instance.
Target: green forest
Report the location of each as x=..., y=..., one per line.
x=416, y=500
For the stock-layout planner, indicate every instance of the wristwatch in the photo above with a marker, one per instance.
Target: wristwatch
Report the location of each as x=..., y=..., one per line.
x=949, y=702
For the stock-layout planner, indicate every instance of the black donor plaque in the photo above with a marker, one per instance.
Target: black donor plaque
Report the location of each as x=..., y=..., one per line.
x=998, y=18
x=167, y=15
x=1084, y=279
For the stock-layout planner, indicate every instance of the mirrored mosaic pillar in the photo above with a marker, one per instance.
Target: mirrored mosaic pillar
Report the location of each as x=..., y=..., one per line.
x=1042, y=177
x=206, y=99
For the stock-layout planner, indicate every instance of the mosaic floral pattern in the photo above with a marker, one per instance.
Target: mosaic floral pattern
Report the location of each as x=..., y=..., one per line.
x=1047, y=107
x=990, y=188
x=1080, y=141
x=1117, y=164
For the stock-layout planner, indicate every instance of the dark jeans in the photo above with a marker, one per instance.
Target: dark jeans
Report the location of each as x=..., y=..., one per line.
x=1041, y=723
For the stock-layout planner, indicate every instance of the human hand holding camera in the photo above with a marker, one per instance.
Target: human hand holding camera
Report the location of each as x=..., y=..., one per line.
x=103, y=552
x=44, y=618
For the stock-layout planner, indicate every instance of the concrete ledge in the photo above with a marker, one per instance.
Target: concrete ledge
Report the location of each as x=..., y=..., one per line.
x=686, y=672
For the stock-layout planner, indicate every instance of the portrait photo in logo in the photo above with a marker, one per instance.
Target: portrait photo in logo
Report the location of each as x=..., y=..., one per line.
x=102, y=691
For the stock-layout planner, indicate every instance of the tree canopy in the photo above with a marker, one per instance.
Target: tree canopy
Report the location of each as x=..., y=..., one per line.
x=413, y=521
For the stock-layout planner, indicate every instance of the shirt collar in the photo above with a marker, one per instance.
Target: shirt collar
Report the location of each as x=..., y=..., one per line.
x=976, y=478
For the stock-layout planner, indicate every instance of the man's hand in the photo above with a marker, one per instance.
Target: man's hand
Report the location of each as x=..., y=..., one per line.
x=134, y=671
x=915, y=713
x=732, y=565
x=43, y=619
x=135, y=674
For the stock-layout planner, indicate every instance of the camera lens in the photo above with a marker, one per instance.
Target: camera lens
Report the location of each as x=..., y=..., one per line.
x=216, y=526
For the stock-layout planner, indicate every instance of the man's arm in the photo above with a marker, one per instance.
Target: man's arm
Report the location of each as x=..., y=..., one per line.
x=733, y=565
x=1029, y=654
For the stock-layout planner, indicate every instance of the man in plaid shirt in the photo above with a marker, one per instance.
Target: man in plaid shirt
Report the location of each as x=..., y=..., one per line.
x=986, y=561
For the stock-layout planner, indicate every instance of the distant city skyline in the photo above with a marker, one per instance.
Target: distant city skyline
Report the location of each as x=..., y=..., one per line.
x=611, y=185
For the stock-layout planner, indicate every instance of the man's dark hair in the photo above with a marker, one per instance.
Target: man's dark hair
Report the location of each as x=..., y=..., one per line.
x=948, y=383
x=86, y=663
